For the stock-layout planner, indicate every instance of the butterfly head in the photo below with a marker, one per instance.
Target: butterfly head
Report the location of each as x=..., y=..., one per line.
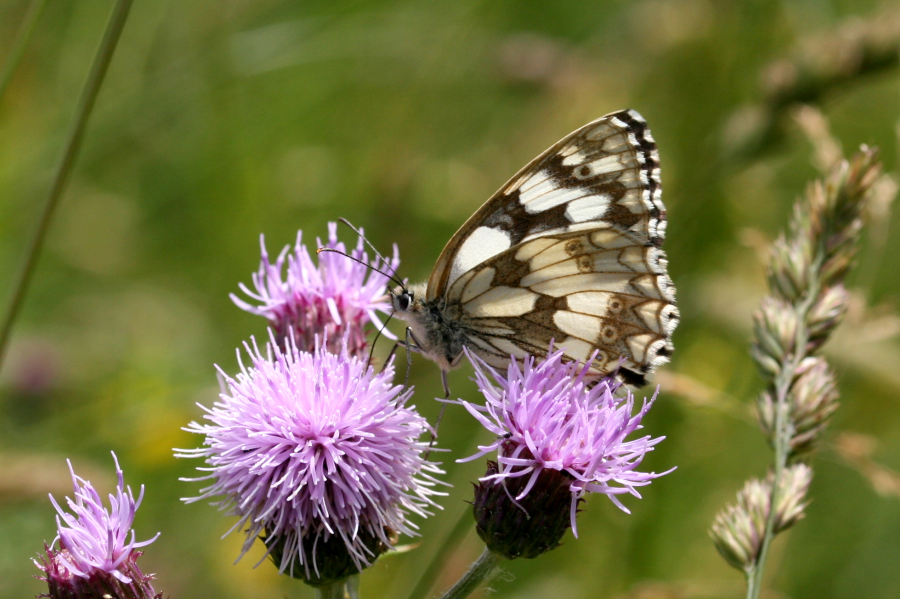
x=407, y=300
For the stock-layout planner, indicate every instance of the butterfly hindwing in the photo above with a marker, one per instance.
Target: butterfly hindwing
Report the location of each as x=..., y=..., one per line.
x=586, y=291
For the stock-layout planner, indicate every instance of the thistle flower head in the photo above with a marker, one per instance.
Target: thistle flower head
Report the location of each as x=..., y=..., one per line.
x=97, y=548
x=319, y=455
x=555, y=430
x=331, y=300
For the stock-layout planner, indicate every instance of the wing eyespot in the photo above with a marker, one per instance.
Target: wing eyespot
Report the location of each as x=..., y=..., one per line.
x=615, y=306
x=609, y=334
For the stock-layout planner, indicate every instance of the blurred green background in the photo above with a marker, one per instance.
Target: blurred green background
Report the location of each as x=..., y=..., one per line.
x=223, y=120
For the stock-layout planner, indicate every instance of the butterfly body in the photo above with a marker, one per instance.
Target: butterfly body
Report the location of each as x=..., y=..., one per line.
x=438, y=330
x=568, y=252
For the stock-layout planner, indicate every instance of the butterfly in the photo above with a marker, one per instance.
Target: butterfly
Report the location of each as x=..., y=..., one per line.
x=566, y=252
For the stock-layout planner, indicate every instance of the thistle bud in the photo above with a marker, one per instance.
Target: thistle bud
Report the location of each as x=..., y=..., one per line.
x=334, y=561
x=526, y=527
x=64, y=583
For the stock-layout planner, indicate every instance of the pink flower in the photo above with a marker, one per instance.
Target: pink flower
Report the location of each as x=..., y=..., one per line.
x=554, y=429
x=97, y=546
x=336, y=298
x=318, y=454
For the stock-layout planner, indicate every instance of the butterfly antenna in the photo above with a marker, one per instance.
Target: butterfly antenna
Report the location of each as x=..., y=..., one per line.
x=366, y=264
x=366, y=241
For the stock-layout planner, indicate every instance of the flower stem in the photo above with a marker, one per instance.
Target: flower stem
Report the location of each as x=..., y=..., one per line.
x=353, y=587
x=335, y=590
x=430, y=574
x=73, y=144
x=479, y=572
x=23, y=36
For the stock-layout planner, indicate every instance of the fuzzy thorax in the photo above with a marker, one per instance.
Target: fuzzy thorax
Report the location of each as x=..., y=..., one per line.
x=437, y=329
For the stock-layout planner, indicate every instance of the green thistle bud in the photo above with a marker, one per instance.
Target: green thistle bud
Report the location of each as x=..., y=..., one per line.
x=530, y=526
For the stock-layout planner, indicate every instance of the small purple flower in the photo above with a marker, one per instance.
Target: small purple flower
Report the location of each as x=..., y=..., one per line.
x=336, y=298
x=96, y=556
x=318, y=455
x=556, y=431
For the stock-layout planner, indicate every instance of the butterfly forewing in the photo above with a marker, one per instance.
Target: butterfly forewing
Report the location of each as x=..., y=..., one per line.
x=605, y=174
x=568, y=252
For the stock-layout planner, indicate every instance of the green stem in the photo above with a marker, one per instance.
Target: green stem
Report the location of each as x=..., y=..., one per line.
x=784, y=432
x=332, y=591
x=479, y=572
x=782, y=440
x=437, y=561
x=353, y=587
x=73, y=144
x=23, y=36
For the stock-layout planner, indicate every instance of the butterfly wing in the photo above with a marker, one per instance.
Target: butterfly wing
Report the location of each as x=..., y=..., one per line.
x=568, y=250
x=605, y=174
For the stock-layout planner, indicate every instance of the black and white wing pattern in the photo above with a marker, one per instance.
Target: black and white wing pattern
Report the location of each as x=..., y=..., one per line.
x=568, y=250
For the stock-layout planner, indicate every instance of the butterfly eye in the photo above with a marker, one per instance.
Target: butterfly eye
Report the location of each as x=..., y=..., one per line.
x=403, y=301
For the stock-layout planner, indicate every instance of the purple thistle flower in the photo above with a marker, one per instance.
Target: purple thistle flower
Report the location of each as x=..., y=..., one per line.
x=555, y=430
x=318, y=454
x=97, y=556
x=336, y=298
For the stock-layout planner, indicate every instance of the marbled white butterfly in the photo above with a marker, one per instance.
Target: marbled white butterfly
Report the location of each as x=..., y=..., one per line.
x=569, y=251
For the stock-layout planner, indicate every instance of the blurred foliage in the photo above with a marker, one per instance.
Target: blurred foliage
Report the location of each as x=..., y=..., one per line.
x=219, y=121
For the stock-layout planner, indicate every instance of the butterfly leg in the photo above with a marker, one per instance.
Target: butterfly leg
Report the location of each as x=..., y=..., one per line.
x=408, y=360
x=410, y=345
x=437, y=422
x=387, y=360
